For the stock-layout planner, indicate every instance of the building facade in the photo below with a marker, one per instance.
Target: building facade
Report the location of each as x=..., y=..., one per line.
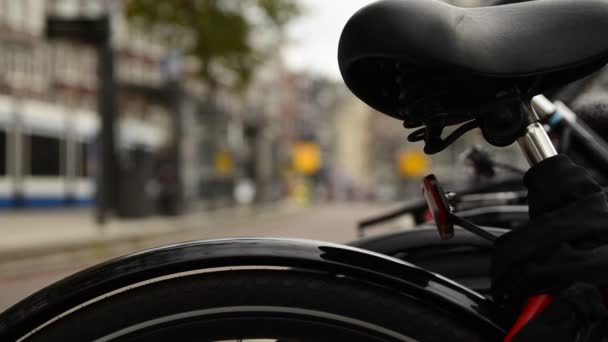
x=48, y=104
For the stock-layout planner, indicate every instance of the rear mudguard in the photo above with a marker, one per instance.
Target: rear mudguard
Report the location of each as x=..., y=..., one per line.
x=331, y=259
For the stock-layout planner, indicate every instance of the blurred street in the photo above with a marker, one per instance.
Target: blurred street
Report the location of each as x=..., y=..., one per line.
x=26, y=270
x=126, y=125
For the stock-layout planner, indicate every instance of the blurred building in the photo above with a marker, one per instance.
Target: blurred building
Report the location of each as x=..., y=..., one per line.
x=311, y=123
x=353, y=148
x=257, y=131
x=48, y=102
x=179, y=144
x=368, y=145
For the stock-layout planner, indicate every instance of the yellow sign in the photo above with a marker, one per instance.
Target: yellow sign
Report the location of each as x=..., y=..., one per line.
x=413, y=164
x=223, y=163
x=306, y=158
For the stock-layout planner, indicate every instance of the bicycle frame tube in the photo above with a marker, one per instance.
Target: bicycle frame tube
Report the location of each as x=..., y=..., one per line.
x=545, y=109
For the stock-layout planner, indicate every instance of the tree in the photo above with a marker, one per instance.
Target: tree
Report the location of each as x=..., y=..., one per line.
x=228, y=37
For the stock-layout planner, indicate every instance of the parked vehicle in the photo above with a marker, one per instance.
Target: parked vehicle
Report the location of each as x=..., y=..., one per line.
x=46, y=153
x=480, y=70
x=501, y=205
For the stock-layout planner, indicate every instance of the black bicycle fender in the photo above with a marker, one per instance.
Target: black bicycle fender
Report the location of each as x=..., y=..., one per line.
x=305, y=255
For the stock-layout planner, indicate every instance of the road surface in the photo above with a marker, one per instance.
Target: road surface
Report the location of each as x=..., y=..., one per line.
x=335, y=223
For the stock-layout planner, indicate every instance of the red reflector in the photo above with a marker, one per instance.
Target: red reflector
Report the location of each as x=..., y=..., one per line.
x=439, y=206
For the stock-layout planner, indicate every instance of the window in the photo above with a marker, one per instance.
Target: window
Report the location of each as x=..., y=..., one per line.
x=3, y=153
x=13, y=13
x=3, y=10
x=84, y=150
x=45, y=153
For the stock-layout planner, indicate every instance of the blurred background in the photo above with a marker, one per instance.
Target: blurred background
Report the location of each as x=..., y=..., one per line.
x=126, y=124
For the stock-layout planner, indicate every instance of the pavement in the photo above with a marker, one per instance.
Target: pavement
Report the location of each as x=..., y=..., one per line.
x=35, y=241
x=30, y=233
x=39, y=248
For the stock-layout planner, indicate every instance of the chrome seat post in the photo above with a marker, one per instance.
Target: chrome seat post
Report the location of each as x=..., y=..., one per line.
x=535, y=143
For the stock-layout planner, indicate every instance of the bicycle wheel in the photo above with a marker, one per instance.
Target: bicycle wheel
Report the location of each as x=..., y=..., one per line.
x=249, y=304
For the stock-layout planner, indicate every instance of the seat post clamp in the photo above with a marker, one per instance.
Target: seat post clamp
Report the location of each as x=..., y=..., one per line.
x=535, y=142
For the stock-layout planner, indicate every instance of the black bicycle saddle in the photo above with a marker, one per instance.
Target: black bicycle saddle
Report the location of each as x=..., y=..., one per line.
x=425, y=60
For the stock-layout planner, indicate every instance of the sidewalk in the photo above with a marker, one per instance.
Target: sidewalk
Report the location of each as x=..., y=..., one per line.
x=29, y=236
x=41, y=248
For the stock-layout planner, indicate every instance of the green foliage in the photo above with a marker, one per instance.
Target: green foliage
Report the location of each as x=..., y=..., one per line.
x=229, y=37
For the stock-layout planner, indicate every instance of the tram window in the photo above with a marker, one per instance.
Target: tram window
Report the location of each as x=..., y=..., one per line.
x=45, y=153
x=2, y=153
x=84, y=159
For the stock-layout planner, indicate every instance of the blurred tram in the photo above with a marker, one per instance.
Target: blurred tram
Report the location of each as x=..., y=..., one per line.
x=48, y=152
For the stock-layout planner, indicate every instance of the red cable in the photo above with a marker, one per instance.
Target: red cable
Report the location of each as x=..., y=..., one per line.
x=533, y=307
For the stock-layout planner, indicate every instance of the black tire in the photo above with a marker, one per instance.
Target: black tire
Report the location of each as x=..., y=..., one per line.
x=297, y=306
